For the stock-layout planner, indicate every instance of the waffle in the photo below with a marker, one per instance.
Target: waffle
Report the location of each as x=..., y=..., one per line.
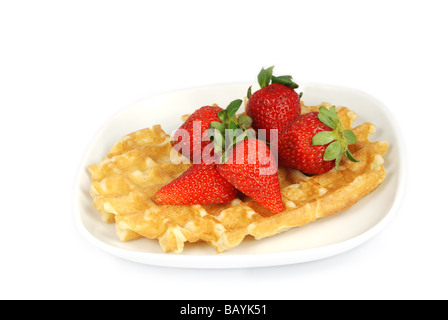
x=125, y=181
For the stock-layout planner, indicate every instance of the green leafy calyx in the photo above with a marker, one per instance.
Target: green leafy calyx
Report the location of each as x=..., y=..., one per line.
x=338, y=139
x=231, y=130
x=265, y=78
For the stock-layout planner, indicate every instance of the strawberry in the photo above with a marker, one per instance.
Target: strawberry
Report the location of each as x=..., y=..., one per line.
x=246, y=162
x=191, y=137
x=276, y=104
x=200, y=184
x=252, y=169
x=315, y=142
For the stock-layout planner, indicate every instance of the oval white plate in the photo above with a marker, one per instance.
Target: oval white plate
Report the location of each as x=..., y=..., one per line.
x=322, y=238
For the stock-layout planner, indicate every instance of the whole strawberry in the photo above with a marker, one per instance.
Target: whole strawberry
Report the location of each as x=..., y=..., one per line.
x=252, y=169
x=200, y=184
x=315, y=142
x=244, y=161
x=275, y=105
x=191, y=137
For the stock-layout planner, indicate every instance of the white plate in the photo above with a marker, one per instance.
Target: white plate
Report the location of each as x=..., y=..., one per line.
x=322, y=238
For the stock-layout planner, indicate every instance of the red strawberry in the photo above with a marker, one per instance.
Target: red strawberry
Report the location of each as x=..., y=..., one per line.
x=188, y=139
x=200, y=184
x=275, y=105
x=315, y=142
x=252, y=169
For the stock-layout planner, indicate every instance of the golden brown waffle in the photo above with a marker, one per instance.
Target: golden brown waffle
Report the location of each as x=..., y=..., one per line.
x=124, y=183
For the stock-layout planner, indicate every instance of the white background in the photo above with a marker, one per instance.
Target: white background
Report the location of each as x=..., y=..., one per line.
x=67, y=66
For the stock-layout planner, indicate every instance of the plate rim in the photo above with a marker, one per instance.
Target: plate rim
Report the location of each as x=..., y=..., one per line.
x=243, y=260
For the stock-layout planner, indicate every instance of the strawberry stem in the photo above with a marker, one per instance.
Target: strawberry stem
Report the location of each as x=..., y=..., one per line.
x=231, y=130
x=266, y=78
x=337, y=139
x=286, y=81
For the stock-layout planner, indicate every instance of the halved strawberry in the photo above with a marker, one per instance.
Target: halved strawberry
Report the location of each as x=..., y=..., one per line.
x=200, y=184
x=315, y=142
x=275, y=105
